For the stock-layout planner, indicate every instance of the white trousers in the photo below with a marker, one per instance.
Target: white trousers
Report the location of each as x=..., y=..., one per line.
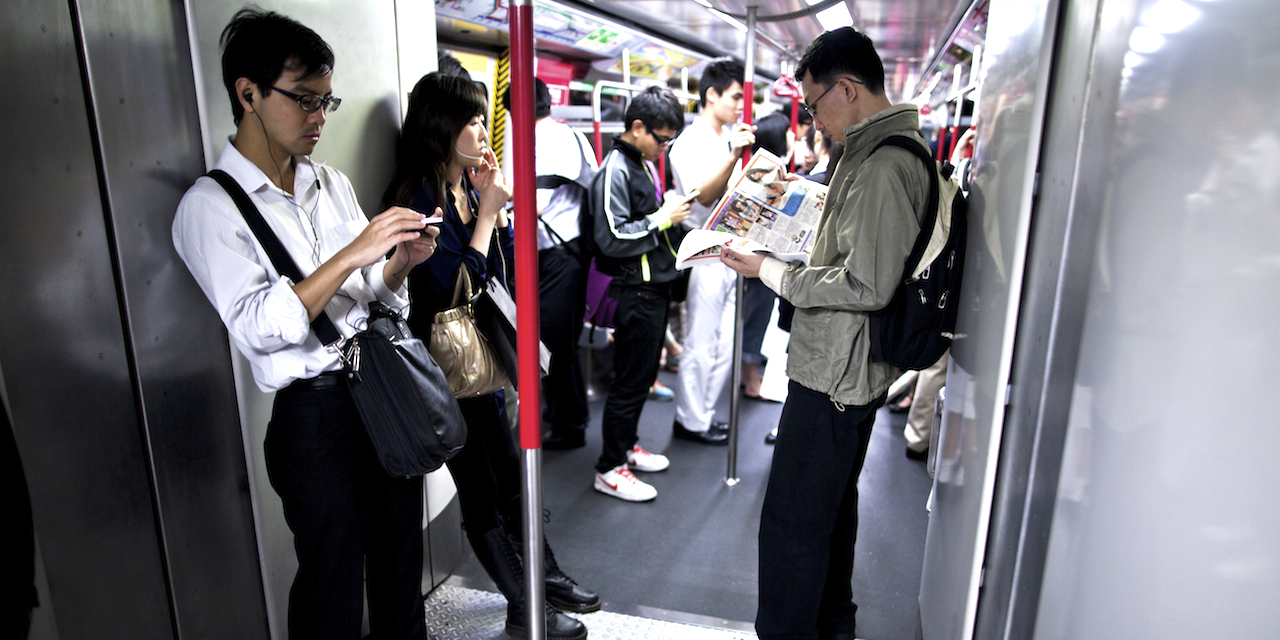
x=923, y=403
x=707, y=359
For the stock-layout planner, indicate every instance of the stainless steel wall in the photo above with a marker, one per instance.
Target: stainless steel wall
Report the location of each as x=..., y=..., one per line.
x=1166, y=507
x=127, y=431
x=1010, y=116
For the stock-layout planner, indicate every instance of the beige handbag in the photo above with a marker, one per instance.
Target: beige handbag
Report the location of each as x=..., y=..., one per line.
x=468, y=360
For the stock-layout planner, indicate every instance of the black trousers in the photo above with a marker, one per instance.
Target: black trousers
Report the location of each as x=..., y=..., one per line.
x=487, y=470
x=640, y=326
x=561, y=304
x=353, y=524
x=809, y=521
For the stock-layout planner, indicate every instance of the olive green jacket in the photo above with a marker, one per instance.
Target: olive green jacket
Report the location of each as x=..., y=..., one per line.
x=872, y=216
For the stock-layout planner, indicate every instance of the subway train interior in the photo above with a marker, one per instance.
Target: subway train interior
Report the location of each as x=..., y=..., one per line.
x=1099, y=462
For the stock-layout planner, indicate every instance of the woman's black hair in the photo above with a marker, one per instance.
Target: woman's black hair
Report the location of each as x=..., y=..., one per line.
x=262, y=45
x=440, y=106
x=771, y=134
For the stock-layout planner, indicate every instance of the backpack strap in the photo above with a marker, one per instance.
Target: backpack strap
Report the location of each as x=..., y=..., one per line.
x=931, y=212
x=279, y=256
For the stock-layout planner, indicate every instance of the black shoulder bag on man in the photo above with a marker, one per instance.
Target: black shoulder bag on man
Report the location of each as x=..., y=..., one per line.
x=403, y=398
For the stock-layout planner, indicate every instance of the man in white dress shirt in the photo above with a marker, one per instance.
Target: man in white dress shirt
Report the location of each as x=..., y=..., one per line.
x=703, y=159
x=351, y=521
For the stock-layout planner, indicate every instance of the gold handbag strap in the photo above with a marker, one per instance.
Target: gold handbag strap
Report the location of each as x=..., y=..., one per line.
x=463, y=283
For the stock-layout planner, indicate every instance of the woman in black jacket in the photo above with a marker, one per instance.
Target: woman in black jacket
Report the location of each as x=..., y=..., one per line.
x=443, y=149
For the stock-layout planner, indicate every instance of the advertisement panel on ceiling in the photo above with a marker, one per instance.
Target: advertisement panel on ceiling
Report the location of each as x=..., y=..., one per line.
x=550, y=24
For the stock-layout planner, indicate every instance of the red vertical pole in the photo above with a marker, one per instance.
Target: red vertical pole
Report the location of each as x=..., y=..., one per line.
x=595, y=126
x=526, y=261
x=748, y=100
x=526, y=223
x=795, y=128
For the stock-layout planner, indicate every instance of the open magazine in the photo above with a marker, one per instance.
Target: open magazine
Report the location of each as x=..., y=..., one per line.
x=762, y=211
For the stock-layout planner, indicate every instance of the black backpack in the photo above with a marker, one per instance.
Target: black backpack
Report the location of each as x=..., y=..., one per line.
x=917, y=326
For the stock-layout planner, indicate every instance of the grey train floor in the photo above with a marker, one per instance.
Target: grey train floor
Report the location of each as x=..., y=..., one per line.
x=693, y=549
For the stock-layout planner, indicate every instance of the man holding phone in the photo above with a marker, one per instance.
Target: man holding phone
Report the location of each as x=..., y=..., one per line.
x=355, y=528
x=635, y=241
x=703, y=159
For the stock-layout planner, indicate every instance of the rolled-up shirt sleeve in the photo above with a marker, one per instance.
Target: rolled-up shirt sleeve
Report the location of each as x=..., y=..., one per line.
x=262, y=313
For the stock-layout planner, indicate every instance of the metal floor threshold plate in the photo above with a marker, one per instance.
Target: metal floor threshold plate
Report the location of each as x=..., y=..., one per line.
x=460, y=613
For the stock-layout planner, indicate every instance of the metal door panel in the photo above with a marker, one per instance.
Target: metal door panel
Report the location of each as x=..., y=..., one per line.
x=1166, y=506
x=1011, y=111
x=66, y=360
x=149, y=141
x=1060, y=257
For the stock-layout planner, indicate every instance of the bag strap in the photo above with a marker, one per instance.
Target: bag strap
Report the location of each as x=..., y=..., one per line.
x=931, y=213
x=279, y=256
x=463, y=282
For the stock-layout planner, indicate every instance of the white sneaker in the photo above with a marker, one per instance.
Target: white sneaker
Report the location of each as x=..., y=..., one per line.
x=619, y=482
x=641, y=460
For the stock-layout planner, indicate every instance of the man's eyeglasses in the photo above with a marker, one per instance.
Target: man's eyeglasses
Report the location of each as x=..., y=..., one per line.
x=812, y=108
x=663, y=141
x=311, y=101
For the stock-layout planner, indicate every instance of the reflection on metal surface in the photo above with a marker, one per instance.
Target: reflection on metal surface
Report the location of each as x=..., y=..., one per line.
x=1019, y=47
x=1167, y=495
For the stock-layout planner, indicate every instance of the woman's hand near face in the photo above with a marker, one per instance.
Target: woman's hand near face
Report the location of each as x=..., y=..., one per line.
x=493, y=187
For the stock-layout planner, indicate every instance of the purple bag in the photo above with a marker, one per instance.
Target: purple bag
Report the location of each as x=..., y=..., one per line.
x=600, y=304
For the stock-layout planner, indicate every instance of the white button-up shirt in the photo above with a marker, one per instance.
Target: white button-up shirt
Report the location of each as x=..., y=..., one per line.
x=697, y=153
x=266, y=319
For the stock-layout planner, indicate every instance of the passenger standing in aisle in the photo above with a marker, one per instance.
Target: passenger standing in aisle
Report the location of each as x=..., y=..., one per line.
x=703, y=159
x=354, y=526
x=809, y=521
x=635, y=242
x=565, y=166
x=444, y=164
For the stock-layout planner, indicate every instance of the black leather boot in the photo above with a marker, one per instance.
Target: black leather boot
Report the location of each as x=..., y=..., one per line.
x=562, y=591
x=501, y=561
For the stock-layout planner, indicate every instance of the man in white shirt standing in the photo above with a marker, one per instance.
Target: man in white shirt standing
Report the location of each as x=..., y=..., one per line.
x=703, y=159
x=350, y=519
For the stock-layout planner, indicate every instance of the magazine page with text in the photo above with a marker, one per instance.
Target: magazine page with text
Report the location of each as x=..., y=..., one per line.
x=762, y=211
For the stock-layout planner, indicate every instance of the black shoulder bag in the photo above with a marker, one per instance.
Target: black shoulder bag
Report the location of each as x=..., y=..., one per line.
x=403, y=398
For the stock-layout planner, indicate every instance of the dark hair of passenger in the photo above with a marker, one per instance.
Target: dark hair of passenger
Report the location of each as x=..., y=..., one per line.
x=440, y=106
x=541, y=99
x=449, y=66
x=844, y=51
x=262, y=45
x=721, y=74
x=771, y=133
x=657, y=108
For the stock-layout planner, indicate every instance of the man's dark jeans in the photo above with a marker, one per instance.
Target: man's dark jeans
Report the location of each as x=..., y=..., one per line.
x=809, y=521
x=641, y=321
